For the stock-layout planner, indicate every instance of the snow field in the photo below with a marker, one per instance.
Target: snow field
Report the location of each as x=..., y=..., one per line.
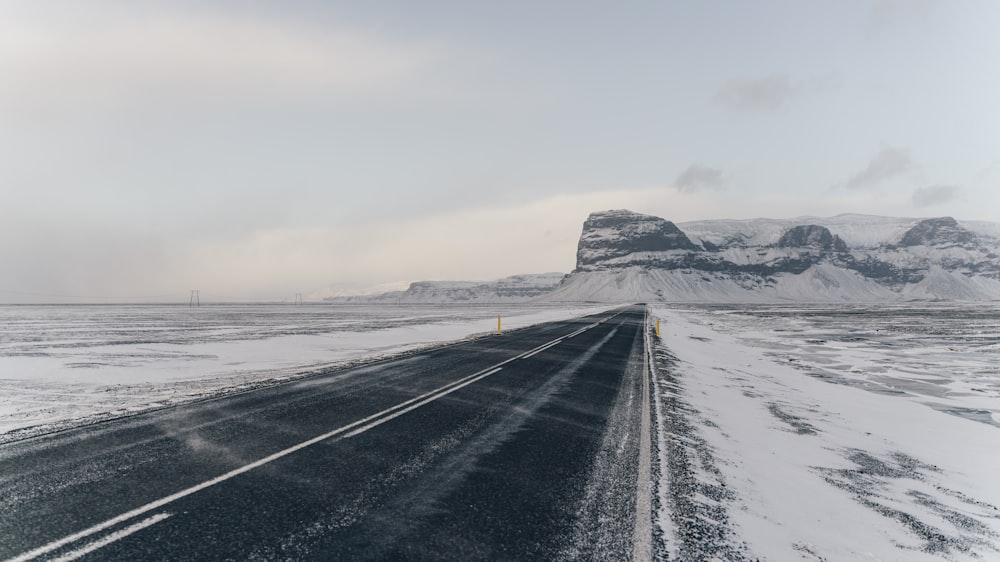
x=822, y=471
x=61, y=366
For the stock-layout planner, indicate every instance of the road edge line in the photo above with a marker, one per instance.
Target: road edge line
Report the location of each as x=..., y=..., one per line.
x=642, y=543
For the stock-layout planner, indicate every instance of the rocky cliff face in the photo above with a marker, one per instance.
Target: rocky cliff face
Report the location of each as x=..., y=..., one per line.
x=944, y=231
x=812, y=236
x=629, y=256
x=616, y=234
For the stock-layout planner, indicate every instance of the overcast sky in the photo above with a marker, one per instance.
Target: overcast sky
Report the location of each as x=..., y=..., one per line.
x=253, y=150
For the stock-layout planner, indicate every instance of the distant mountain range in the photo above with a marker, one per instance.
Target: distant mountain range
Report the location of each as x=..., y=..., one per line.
x=627, y=256
x=624, y=256
x=517, y=288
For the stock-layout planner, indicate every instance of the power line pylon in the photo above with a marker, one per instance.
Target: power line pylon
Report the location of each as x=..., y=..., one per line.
x=298, y=299
x=195, y=299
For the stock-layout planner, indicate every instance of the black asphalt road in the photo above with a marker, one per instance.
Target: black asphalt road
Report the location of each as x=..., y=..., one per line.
x=502, y=448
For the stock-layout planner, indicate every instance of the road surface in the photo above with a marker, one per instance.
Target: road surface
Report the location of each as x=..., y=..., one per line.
x=520, y=446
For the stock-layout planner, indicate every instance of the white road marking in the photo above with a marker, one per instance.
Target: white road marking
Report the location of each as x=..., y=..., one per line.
x=537, y=351
x=642, y=549
x=581, y=330
x=117, y=535
x=364, y=423
x=419, y=404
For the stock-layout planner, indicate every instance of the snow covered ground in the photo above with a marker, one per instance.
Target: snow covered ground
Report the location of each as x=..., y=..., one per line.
x=65, y=365
x=785, y=432
x=829, y=433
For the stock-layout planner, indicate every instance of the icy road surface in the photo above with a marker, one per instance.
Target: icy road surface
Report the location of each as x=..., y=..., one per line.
x=779, y=433
x=525, y=446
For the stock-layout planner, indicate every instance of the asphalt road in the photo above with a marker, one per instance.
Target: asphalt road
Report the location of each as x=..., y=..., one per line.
x=522, y=446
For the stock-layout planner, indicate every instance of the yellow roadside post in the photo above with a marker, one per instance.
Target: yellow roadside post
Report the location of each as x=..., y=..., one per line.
x=498, y=323
x=657, y=327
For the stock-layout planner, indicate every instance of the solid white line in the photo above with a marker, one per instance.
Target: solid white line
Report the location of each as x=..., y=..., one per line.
x=537, y=351
x=391, y=413
x=642, y=542
x=117, y=535
x=581, y=330
x=419, y=404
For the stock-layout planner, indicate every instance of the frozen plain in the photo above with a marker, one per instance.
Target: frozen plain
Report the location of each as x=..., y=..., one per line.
x=66, y=365
x=784, y=432
x=829, y=432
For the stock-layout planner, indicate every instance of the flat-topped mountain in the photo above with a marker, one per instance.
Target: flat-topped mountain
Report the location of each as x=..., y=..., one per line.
x=627, y=256
x=616, y=234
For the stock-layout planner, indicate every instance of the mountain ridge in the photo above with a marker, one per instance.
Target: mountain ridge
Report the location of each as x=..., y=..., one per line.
x=515, y=288
x=624, y=256
x=842, y=258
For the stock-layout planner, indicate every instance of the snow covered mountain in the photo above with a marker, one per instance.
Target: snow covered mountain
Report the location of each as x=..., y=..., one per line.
x=627, y=256
x=517, y=288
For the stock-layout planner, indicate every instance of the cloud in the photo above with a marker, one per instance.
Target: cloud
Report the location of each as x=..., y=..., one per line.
x=697, y=177
x=935, y=195
x=988, y=171
x=887, y=12
x=754, y=94
x=887, y=164
x=770, y=93
x=53, y=61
